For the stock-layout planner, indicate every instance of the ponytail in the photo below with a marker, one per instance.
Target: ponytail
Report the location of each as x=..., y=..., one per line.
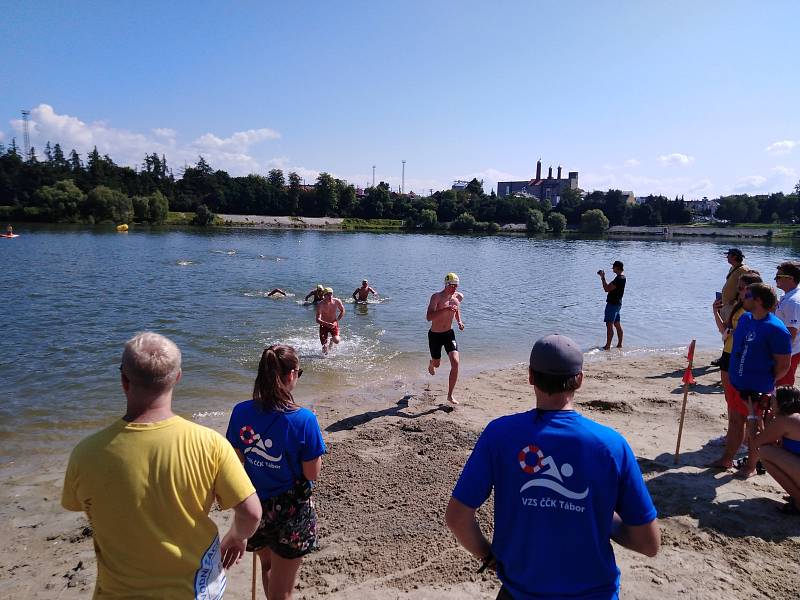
x=270, y=392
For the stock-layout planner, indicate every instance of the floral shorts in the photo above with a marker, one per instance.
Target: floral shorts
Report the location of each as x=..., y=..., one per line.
x=288, y=525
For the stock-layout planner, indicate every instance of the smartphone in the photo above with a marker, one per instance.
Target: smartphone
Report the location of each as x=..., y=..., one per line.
x=719, y=295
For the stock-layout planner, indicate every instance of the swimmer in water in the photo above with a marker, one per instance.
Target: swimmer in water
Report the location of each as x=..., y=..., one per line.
x=329, y=312
x=443, y=307
x=276, y=292
x=318, y=293
x=361, y=294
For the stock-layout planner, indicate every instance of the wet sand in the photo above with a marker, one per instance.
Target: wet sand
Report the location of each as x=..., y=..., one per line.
x=390, y=470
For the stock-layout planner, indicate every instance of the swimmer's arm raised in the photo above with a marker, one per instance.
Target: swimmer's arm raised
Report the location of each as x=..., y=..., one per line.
x=311, y=293
x=355, y=293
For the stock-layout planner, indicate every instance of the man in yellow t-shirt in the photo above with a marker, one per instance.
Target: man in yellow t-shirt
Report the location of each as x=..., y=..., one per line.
x=147, y=483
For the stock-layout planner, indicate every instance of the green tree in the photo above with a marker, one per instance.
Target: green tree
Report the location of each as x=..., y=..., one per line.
x=327, y=195
x=535, y=221
x=594, y=221
x=63, y=200
x=293, y=194
x=475, y=187
x=203, y=216
x=569, y=205
x=141, y=208
x=427, y=219
x=463, y=222
x=105, y=204
x=159, y=207
x=557, y=223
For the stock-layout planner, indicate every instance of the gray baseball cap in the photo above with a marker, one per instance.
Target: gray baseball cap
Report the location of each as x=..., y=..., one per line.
x=556, y=355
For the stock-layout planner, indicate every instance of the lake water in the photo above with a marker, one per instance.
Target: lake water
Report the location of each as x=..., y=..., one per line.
x=71, y=297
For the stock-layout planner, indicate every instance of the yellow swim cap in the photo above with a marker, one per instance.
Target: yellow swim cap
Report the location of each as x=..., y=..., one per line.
x=328, y=290
x=451, y=279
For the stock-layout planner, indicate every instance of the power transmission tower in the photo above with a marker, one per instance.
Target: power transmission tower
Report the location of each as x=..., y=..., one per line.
x=403, y=180
x=26, y=134
x=373, y=175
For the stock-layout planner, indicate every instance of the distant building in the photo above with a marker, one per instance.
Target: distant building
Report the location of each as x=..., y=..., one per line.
x=630, y=198
x=541, y=189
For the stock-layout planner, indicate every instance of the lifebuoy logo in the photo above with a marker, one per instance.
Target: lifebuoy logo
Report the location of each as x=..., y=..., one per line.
x=255, y=445
x=548, y=474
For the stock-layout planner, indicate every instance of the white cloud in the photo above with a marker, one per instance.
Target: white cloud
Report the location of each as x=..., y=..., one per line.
x=782, y=147
x=129, y=148
x=632, y=162
x=676, y=158
x=239, y=140
x=165, y=132
x=785, y=171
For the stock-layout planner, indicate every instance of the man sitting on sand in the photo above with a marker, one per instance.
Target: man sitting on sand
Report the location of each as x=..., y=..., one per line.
x=361, y=294
x=329, y=312
x=147, y=483
x=318, y=293
x=564, y=487
x=762, y=351
x=442, y=308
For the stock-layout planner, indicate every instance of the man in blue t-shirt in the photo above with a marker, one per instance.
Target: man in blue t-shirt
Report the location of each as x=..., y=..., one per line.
x=564, y=487
x=761, y=354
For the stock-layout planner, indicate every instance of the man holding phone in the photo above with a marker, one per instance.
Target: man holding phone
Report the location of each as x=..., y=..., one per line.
x=615, y=290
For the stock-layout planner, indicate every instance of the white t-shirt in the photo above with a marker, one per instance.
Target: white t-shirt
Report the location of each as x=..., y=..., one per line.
x=788, y=311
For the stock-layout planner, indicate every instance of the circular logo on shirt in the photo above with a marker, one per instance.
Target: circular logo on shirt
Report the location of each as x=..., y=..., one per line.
x=523, y=459
x=248, y=435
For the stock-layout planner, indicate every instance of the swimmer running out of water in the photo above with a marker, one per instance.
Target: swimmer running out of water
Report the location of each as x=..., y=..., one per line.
x=329, y=312
x=443, y=307
x=361, y=294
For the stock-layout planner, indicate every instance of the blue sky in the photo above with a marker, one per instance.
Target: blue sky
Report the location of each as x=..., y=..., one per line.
x=693, y=98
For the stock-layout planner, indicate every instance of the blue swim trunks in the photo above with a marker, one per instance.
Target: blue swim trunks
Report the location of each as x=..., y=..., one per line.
x=612, y=313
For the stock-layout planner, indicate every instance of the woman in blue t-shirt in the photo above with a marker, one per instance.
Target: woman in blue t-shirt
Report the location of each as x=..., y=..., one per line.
x=281, y=447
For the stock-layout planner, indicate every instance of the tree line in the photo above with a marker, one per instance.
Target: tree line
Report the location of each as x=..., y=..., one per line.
x=64, y=187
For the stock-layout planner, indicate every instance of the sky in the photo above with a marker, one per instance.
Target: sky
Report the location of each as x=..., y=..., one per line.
x=676, y=98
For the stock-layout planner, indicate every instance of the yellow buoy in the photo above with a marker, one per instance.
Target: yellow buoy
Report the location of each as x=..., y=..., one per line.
x=123, y=227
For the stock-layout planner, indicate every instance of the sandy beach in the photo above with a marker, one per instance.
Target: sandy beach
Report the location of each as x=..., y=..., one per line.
x=390, y=470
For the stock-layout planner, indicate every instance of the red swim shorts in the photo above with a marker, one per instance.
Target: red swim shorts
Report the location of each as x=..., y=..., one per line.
x=736, y=404
x=325, y=331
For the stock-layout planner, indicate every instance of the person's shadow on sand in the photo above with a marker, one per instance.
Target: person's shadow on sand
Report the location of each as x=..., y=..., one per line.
x=393, y=411
x=677, y=374
x=696, y=495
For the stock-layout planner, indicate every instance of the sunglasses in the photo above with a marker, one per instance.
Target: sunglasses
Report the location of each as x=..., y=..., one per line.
x=780, y=276
x=749, y=295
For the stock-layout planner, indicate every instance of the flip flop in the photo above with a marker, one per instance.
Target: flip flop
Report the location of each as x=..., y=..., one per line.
x=790, y=508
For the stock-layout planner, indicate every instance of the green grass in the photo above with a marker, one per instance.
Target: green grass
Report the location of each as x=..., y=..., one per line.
x=179, y=218
x=372, y=224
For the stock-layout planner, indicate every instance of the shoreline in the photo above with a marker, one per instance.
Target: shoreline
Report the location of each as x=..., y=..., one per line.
x=382, y=538
x=340, y=224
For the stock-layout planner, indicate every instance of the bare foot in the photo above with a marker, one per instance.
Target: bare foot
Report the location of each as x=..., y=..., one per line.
x=746, y=472
x=431, y=369
x=324, y=349
x=452, y=400
x=721, y=464
x=606, y=348
x=619, y=345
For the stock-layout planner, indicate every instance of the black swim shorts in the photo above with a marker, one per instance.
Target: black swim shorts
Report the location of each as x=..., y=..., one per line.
x=438, y=339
